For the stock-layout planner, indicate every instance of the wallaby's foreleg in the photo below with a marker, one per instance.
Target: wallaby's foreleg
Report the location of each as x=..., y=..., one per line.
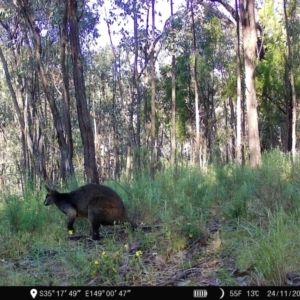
x=71, y=215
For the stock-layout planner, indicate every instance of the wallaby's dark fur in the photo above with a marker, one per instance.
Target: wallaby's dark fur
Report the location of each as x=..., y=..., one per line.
x=98, y=203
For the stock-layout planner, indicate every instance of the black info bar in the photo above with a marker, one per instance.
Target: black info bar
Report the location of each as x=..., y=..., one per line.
x=191, y=292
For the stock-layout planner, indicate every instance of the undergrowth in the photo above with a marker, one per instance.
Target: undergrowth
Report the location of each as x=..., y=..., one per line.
x=204, y=225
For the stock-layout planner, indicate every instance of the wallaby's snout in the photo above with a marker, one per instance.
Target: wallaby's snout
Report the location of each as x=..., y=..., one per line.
x=49, y=199
x=46, y=202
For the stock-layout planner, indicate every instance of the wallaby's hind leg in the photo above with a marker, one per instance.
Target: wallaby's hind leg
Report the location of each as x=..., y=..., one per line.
x=94, y=229
x=94, y=224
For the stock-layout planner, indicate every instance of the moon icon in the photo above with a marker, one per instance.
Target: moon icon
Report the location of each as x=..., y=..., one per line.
x=222, y=293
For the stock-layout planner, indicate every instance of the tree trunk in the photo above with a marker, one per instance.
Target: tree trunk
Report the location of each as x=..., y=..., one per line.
x=136, y=87
x=173, y=111
x=250, y=42
x=238, y=90
x=197, y=116
x=85, y=126
x=233, y=129
x=66, y=96
x=293, y=105
x=153, y=87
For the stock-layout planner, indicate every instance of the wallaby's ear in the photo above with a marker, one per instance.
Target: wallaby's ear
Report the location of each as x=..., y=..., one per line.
x=47, y=188
x=50, y=190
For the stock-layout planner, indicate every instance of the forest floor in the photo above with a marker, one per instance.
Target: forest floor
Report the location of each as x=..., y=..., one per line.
x=198, y=263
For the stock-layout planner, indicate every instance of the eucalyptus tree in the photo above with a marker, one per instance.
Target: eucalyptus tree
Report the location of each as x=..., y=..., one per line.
x=239, y=156
x=45, y=31
x=153, y=96
x=274, y=75
x=107, y=103
x=16, y=57
x=134, y=43
x=169, y=45
x=173, y=110
x=197, y=157
x=288, y=17
x=247, y=14
x=30, y=162
x=271, y=82
x=213, y=41
x=246, y=9
x=33, y=22
x=74, y=9
x=127, y=74
x=122, y=126
x=26, y=137
x=136, y=54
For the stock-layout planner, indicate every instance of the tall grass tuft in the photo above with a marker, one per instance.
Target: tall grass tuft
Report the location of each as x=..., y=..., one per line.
x=272, y=252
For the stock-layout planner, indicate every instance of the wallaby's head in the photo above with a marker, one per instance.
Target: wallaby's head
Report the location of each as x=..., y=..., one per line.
x=51, y=193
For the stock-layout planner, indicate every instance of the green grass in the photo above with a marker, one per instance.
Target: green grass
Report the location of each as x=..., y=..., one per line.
x=224, y=219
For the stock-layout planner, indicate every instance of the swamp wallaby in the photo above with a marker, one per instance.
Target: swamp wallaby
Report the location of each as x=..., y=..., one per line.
x=100, y=204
